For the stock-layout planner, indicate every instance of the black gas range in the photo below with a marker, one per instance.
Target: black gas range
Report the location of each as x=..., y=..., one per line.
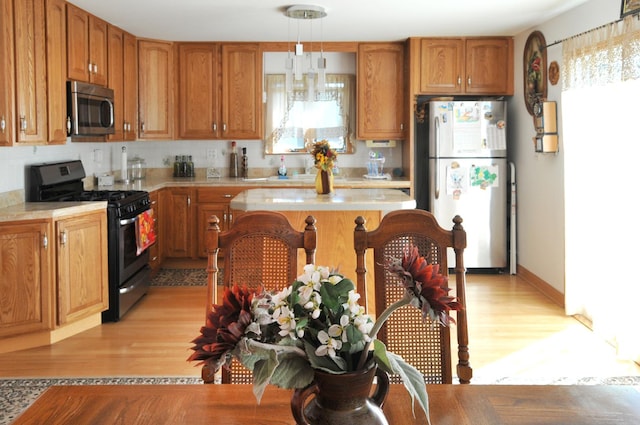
x=129, y=273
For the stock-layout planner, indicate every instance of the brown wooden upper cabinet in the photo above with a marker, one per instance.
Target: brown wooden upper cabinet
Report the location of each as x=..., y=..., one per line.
x=219, y=91
x=381, y=91
x=464, y=65
x=156, y=89
x=86, y=46
x=7, y=74
x=123, y=80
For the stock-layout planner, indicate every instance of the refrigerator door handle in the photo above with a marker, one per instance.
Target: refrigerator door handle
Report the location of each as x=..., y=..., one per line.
x=437, y=157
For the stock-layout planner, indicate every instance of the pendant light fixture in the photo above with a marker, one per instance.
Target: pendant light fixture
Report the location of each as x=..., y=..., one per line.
x=295, y=66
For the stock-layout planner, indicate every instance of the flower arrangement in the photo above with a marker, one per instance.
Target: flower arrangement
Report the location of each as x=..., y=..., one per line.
x=323, y=155
x=317, y=323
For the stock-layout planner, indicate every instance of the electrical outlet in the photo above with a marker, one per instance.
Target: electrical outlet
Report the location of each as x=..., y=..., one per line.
x=212, y=153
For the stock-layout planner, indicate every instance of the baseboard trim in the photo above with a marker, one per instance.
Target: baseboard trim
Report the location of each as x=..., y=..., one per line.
x=547, y=290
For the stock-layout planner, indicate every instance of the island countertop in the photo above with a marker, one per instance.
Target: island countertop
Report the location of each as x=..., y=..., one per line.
x=343, y=199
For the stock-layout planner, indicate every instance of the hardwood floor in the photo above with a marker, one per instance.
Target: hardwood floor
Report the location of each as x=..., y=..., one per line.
x=514, y=331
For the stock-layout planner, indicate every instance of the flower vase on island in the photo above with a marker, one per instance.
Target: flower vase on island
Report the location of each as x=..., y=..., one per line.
x=324, y=160
x=315, y=338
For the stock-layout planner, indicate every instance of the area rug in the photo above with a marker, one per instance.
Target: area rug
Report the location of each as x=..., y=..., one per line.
x=17, y=394
x=180, y=277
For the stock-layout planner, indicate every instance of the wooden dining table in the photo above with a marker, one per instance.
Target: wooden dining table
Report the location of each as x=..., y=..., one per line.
x=236, y=405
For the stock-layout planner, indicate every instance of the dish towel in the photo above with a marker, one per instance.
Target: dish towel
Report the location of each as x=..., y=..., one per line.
x=145, y=231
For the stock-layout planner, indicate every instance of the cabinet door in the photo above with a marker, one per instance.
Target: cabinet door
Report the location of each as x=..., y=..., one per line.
x=116, y=80
x=56, y=75
x=198, y=108
x=381, y=91
x=27, y=287
x=156, y=86
x=31, y=72
x=489, y=66
x=82, y=266
x=179, y=229
x=7, y=74
x=241, y=91
x=130, y=87
x=441, y=65
x=98, y=33
x=78, y=62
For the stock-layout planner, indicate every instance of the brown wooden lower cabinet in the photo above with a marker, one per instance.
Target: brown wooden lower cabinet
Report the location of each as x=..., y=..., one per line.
x=54, y=278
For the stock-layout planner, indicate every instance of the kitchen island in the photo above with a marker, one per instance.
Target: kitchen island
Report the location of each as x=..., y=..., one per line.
x=335, y=216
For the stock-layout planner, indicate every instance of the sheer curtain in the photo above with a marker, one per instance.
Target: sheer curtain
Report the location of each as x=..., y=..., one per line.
x=601, y=142
x=291, y=117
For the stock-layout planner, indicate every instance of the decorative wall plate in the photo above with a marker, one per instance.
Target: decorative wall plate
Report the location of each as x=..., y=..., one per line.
x=535, y=68
x=554, y=73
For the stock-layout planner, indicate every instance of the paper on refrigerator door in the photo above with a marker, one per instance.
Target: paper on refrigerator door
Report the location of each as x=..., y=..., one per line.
x=457, y=180
x=497, y=136
x=485, y=176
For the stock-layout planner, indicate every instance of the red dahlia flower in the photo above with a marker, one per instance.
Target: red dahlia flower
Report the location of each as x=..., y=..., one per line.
x=224, y=328
x=428, y=285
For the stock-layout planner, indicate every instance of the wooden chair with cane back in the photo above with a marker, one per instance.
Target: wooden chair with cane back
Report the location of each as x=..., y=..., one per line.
x=260, y=250
x=425, y=345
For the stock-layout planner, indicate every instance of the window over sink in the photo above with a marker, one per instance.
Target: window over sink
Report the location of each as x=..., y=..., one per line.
x=296, y=118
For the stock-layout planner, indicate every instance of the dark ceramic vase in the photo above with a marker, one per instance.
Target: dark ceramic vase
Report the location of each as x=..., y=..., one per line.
x=342, y=399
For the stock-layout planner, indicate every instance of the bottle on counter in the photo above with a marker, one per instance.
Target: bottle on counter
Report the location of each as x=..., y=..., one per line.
x=282, y=171
x=176, y=167
x=190, y=169
x=183, y=166
x=245, y=163
x=233, y=161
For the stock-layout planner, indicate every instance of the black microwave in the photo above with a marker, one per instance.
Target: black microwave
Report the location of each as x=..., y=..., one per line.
x=89, y=109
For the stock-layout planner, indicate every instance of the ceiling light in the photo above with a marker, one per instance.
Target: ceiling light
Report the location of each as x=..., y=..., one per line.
x=295, y=66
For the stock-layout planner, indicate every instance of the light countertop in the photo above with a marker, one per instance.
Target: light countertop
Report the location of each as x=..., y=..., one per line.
x=343, y=199
x=48, y=210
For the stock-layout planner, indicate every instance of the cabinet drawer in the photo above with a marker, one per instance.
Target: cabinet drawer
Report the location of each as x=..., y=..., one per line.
x=218, y=194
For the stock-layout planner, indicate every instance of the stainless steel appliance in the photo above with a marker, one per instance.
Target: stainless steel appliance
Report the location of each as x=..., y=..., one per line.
x=90, y=109
x=129, y=273
x=468, y=175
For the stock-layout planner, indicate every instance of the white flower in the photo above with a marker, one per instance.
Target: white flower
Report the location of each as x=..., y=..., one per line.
x=352, y=304
x=286, y=320
x=364, y=324
x=336, y=331
x=281, y=297
x=307, y=290
x=313, y=305
x=329, y=345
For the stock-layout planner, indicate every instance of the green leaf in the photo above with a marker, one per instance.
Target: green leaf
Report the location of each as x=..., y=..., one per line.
x=292, y=372
x=413, y=381
x=262, y=371
x=380, y=354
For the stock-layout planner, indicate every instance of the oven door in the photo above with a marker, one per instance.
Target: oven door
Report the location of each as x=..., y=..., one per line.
x=128, y=259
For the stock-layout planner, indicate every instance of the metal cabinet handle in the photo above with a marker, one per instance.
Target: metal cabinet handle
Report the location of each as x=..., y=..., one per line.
x=90, y=67
x=224, y=217
x=469, y=80
x=230, y=218
x=224, y=128
x=227, y=195
x=68, y=125
x=401, y=126
x=214, y=127
x=63, y=238
x=459, y=80
x=188, y=201
x=95, y=68
x=142, y=126
x=45, y=241
x=3, y=124
x=23, y=123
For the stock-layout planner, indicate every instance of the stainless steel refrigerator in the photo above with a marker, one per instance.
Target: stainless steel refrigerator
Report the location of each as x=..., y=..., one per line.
x=468, y=175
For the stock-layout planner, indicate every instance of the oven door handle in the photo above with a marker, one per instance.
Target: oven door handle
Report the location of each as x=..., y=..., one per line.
x=128, y=221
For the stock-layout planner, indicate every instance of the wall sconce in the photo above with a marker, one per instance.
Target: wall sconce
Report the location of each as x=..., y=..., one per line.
x=545, y=119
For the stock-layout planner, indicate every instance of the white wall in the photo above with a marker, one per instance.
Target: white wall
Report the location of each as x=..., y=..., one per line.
x=541, y=242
